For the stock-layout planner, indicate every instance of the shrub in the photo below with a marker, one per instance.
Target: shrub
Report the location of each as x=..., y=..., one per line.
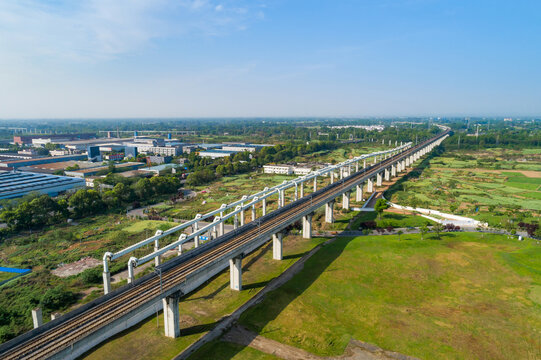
x=91, y=276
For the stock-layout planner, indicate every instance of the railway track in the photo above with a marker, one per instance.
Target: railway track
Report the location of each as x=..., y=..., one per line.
x=66, y=333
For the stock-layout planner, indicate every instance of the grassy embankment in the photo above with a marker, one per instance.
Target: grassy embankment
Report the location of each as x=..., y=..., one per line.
x=202, y=309
x=466, y=296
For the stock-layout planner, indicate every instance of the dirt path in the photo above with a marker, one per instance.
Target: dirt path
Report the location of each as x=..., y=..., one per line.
x=356, y=350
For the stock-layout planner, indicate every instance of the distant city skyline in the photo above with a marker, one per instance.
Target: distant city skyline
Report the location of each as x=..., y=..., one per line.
x=203, y=58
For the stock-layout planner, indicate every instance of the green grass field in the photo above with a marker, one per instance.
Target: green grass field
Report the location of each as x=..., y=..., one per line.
x=493, y=185
x=6, y=275
x=202, y=309
x=467, y=296
x=391, y=219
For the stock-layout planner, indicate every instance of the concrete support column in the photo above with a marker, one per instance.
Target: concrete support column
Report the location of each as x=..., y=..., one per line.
x=370, y=186
x=37, y=317
x=407, y=161
x=242, y=214
x=253, y=213
x=171, y=315
x=235, y=273
x=280, y=198
x=378, y=179
x=357, y=166
x=375, y=159
x=315, y=183
x=387, y=174
x=332, y=176
x=195, y=227
x=341, y=173
x=302, y=189
x=221, y=227
x=236, y=221
x=359, y=192
x=329, y=208
x=307, y=226
x=264, y=203
x=106, y=282
x=277, y=246
x=157, y=259
x=345, y=200
x=364, y=163
x=296, y=191
x=393, y=170
x=403, y=165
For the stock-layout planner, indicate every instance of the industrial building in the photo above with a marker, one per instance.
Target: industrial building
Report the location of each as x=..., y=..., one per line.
x=27, y=139
x=83, y=173
x=15, y=164
x=215, y=154
x=15, y=184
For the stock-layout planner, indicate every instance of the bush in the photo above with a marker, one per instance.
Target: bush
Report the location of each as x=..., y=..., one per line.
x=91, y=276
x=57, y=298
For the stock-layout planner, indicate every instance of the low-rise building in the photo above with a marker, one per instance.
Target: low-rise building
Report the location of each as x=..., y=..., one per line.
x=278, y=169
x=215, y=154
x=158, y=159
x=15, y=184
x=83, y=173
x=15, y=164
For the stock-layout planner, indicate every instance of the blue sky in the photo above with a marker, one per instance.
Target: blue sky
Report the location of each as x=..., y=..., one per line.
x=203, y=58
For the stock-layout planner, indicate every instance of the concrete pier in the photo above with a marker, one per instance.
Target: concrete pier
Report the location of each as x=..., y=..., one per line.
x=277, y=246
x=315, y=183
x=345, y=200
x=195, y=227
x=359, y=192
x=387, y=174
x=171, y=315
x=157, y=259
x=106, y=282
x=37, y=317
x=264, y=206
x=302, y=189
x=329, y=208
x=370, y=185
x=378, y=179
x=307, y=226
x=235, y=273
x=253, y=213
x=242, y=215
x=393, y=170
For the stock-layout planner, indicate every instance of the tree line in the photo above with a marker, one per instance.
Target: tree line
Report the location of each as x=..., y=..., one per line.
x=205, y=170
x=36, y=211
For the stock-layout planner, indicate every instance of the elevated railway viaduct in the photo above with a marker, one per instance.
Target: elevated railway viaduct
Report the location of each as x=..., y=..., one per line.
x=74, y=333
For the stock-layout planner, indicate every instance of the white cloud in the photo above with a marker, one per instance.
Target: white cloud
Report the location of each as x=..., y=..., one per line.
x=94, y=30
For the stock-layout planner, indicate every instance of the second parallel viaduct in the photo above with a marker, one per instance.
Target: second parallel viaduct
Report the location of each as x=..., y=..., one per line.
x=74, y=333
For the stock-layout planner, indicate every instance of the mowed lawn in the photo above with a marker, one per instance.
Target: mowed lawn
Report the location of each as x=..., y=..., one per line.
x=466, y=296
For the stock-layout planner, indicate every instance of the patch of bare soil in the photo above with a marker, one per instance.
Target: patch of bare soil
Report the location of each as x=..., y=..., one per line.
x=528, y=173
x=76, y=267
x=356, y=350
